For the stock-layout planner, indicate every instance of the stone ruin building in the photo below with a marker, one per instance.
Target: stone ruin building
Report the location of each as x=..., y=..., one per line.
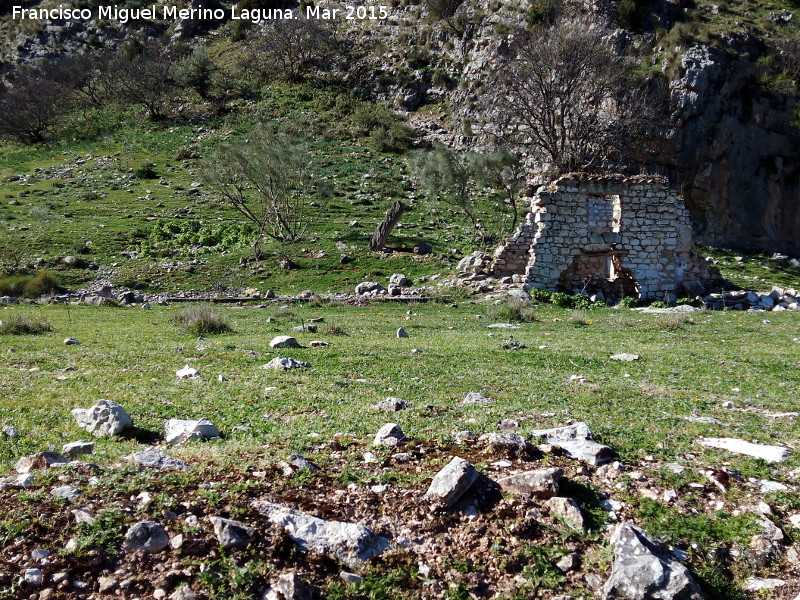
x=608, y=235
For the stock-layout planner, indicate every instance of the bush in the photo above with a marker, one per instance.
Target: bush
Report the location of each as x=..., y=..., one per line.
x=538, y=295
x=628, y=302
x=628, y=14
x=333, y=329
x=201, y=320
x=659, y=304
x=146, y=170
x=581, y=301
x=28, y=286
x=18, y=324
x=514, y=310
x=561, y=299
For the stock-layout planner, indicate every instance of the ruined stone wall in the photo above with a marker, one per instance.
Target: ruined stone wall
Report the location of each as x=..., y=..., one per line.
x=621, y=236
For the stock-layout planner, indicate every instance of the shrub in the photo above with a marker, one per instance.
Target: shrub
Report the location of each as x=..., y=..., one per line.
x=538, y=295
x=628, y=302
x=561, y=299
x=514, y=310
x=28, y=286
x=333, y=329
x=201, y=320
x=581, y=301
x=659, y=304
x=628, y=14
x=672, y=321
x=18, y=324
x=146, y=170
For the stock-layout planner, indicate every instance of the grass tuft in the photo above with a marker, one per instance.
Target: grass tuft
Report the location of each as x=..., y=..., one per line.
x=514, y=310
x=202, y=320
x=23, y=325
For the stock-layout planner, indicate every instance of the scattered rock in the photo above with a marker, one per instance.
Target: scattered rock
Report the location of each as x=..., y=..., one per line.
x=452, y=482
x=643, y=568
x=756, y=584
x=156, y=458
x=511, y=444
x=289, y=587
x=475, y=398
x=771, y=454
x=232, y=534
x=42, y=460
x=568, y=509
x=389, y=435
x=74, y=449
x=179, y=431
x=576, y=441
x=105, y=418
x=281, y=363
x=399, y=280
x=301, y=462
x=71, y=341
x=350, y=578
x=542, y=483
x=310, y=328
x=145, y=536
x=10, y=432
x=187, y=372
x=502, y=326
x=392, y=404
x=369, y=287
x=33, y=577
x=318, y=344
x=284, y=341
x=625, y=357
x=350, y=543
x=66, y=491
x=402, y=333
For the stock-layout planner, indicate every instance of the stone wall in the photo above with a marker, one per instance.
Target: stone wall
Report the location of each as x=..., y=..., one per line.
x=610, y=234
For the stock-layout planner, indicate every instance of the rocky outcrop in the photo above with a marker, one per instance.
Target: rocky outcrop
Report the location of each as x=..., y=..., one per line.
x=734, y=152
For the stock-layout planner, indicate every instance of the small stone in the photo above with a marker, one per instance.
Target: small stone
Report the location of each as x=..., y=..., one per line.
x=302, y=463
x=106, y=584
x=576, y=440
x=145, y=536
x=768, y=486
x=155, y=458
x=402, y=333
x=568, y=562
x=74, y=449
x=81, y=516
x=39, y=554
x=568, y=509
x=389, y=435
x=542, y=483
x=184, y=593
x=284, y=341
x=392, y=404
x=289, y=587
x=452, y=482
x=42, y=460
x=280, y=363
x=187, y=372
x=179, y=431
x=33, y=577
x=350, y=578
x=728, y=404
x=511, y=444
x=475, y=398
x=232, y=534
x=625, y=357
x=159, y=593
x=70, y=341
x=10, y=432
x=65, y=491
x=318, y=344
x=756, y=584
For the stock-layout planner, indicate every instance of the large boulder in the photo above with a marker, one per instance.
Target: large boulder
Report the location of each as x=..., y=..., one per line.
x=105, y=418
x=644, y=569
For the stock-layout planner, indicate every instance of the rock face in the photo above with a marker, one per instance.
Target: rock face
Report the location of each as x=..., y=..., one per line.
x=105, y=418
x=350, y=543
x=452, y=482
x=644, y=569
x=576, y=441
x=734, y=153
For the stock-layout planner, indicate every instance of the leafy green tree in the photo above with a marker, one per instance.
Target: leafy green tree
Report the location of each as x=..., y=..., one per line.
x=503, y=171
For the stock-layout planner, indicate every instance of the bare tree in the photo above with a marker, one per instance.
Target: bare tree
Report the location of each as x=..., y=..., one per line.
x=564, y=96
x=291, y=49
x=269, y=178
x=142, y=74
x=32, y=106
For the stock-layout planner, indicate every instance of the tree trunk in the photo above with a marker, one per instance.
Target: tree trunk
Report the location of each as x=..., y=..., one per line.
x=383, y=230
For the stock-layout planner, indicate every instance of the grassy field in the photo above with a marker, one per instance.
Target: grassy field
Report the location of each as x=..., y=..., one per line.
x=645, y=410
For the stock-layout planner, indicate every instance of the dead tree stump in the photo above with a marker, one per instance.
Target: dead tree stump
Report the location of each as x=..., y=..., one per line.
x=385, y=227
